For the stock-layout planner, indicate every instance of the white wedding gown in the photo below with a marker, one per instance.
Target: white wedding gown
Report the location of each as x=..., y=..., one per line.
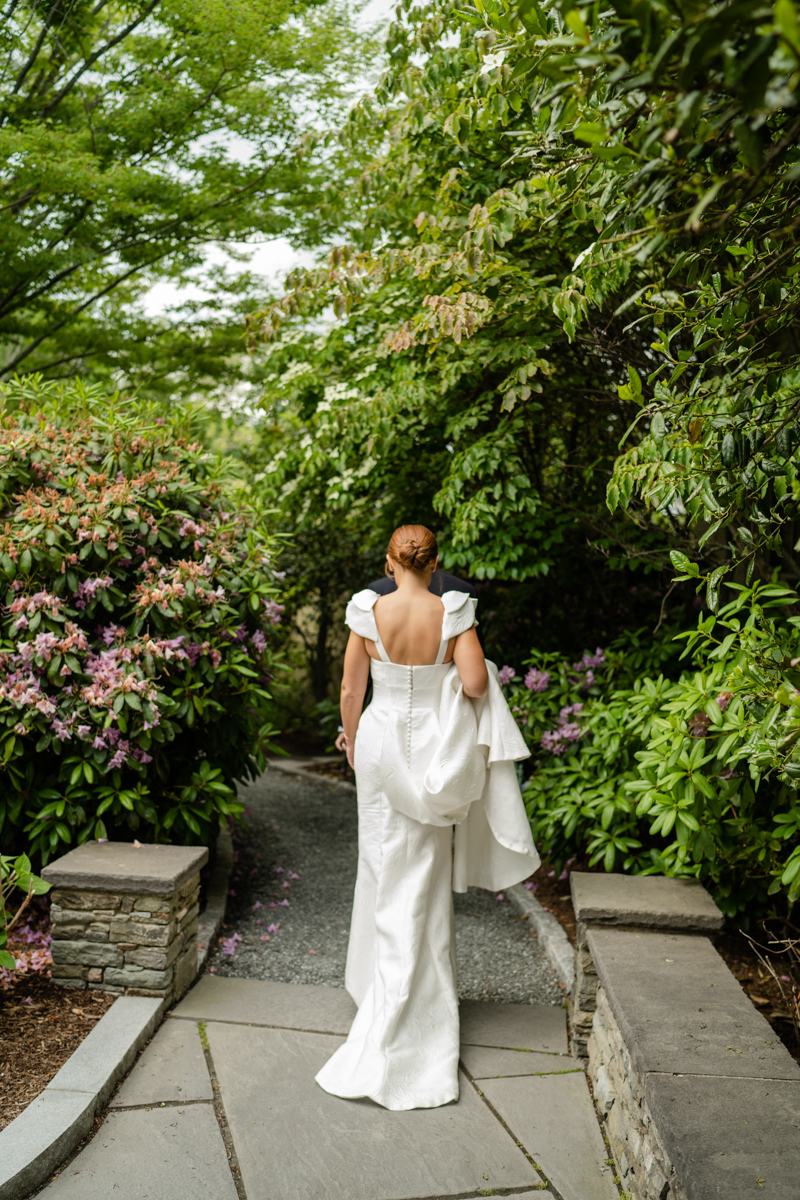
x=427, y=758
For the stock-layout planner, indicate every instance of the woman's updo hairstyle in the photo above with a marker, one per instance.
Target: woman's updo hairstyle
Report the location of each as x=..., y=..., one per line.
x=414, y=547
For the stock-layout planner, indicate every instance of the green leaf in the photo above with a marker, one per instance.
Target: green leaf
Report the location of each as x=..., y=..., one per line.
x=683, y=564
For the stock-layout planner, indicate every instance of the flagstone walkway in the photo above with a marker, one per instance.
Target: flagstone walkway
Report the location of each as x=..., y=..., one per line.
x=222, y=1105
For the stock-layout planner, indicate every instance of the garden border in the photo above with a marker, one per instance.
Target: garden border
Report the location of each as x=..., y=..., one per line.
x=59, y=1118
x=53, y=1124
x=552, y=937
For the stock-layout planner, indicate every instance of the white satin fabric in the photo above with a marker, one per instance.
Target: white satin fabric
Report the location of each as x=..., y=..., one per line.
x=427, y=758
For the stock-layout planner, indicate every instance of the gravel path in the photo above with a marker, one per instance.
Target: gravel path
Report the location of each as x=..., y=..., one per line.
x=309, y=828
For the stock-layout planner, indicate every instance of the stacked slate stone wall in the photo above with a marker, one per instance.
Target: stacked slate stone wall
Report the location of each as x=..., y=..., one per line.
x=582, y=998
x=126, y=942
x=698, y=1095
x=644, y=1165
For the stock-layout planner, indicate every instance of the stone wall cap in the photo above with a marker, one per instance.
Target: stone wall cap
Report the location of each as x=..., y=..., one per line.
x=728, y=1137
x=681, y=1011
x=649, y=901
x=123, y=867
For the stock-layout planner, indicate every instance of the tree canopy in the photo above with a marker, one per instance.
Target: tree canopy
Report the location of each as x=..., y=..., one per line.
x=134, y=134
x=576, y=259
x=567, y=336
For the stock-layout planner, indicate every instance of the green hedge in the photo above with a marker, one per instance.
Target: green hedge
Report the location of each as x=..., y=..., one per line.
x=690, y=776
x=136, y=640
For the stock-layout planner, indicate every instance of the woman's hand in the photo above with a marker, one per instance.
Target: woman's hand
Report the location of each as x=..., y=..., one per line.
x=348, y=747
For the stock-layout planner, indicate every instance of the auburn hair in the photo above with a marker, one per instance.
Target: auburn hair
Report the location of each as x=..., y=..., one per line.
x=413, y=546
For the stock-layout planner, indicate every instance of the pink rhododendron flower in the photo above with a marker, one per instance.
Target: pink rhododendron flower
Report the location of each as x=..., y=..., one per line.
x=505, y=675
x=537, y=681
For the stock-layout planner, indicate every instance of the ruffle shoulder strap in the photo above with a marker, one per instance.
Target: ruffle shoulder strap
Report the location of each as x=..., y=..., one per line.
x=359, y=615
x=459, y=613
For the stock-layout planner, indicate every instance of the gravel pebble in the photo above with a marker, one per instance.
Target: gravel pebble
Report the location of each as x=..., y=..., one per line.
x=310, y=827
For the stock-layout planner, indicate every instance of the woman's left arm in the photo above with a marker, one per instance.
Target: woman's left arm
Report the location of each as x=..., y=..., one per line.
x=354, y=687
x=468, y=657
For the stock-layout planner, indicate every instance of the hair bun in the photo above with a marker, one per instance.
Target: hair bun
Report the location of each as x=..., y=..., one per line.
x=414, y=547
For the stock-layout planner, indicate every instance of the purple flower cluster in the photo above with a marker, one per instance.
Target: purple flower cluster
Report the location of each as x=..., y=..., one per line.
x=31, y=947
x=273, y=611
x=557, y=740
x=88, y=589
x=585, y=668
x=537, y=681
x=505, y=675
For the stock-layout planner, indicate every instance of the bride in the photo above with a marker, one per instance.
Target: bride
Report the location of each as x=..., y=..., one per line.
x=434, y=750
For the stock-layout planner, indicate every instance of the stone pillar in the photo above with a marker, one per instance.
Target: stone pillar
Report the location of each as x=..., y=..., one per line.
x=125, y=918
x=628, y=902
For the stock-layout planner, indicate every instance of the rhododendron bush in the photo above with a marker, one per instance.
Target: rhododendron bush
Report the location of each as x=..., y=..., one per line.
x=136, y=637
x=642, y=768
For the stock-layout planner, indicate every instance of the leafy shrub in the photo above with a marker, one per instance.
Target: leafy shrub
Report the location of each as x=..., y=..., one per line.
x=136, y=638
x=695, y=776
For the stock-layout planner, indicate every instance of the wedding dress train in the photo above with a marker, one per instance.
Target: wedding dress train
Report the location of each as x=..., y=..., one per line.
x=427, y=758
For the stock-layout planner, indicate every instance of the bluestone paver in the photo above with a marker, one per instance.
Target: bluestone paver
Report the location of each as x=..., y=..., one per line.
x=554, y=1118
x=514, y=1026
x=172, y=1153
x=485, y=1062
x=173, y=1067
x=681, y=1010
x=729, y=1139
x=295, y=1142
x=263, y=1002
x=650, y=901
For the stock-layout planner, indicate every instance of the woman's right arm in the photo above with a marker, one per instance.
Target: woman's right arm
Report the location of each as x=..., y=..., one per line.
x=354, y=687
x=468, y=657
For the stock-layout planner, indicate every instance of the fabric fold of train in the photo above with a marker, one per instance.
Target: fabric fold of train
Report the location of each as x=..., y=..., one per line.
x=470, y=782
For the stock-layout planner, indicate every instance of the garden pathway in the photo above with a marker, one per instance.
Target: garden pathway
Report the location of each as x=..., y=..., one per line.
x=223, y=1105
x=296, y=868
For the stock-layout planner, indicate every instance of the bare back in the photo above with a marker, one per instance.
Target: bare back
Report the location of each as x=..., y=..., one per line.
x=410, y=625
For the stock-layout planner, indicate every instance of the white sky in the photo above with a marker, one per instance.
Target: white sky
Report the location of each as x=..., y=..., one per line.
x=271, y=260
